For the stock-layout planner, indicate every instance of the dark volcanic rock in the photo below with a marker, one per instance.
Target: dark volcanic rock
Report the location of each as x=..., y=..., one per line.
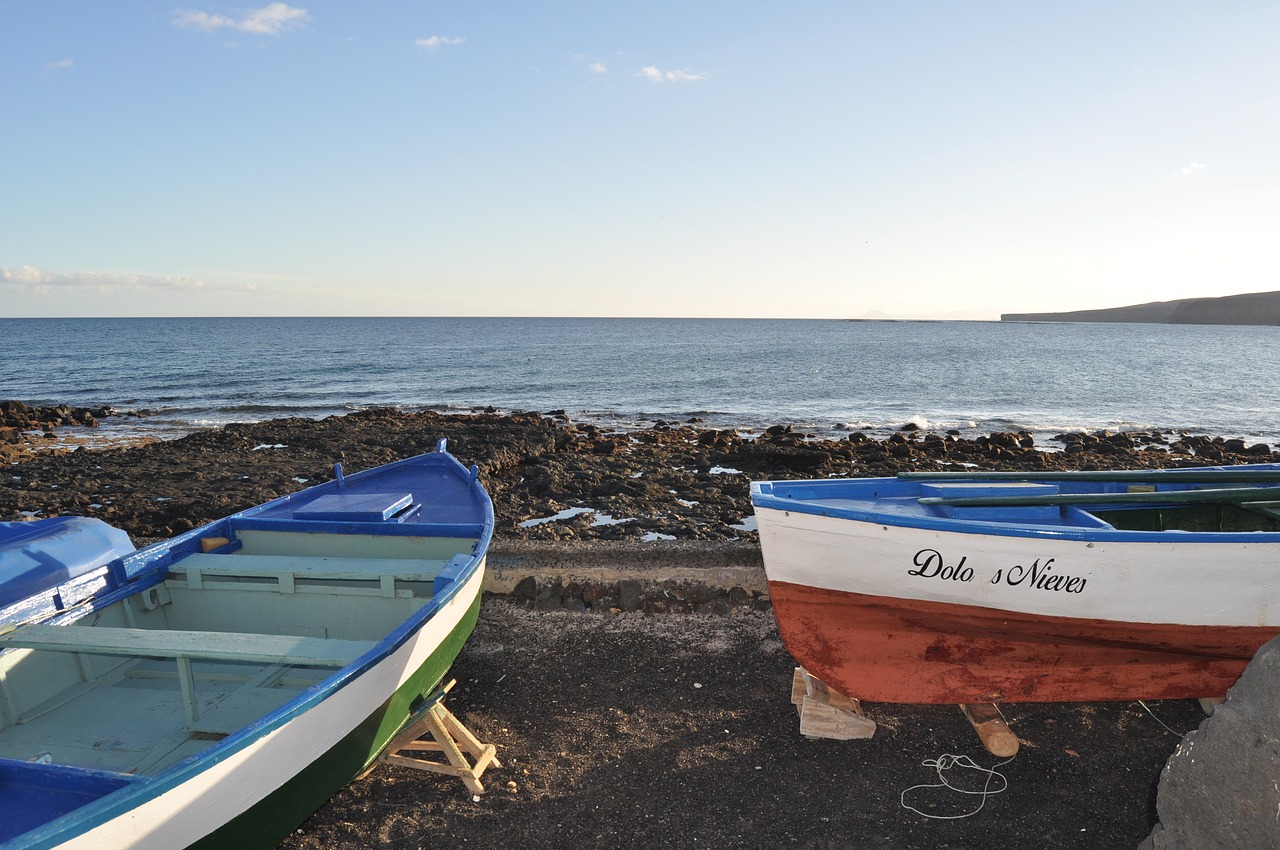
x=25, y=429
x=17, y=414
x=629, y=595
x=1219, y=788
x=526, y=590
x=549, y=596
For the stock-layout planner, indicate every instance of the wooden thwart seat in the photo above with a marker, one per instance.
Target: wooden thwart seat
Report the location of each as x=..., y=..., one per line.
x=206, y=646
x=186, y=646
x=284, y=572
x=336, y=569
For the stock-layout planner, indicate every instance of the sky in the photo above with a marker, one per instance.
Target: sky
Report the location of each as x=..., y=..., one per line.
x=715, y=159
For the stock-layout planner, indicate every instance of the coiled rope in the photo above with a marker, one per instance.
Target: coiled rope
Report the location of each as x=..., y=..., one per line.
x=947, y=762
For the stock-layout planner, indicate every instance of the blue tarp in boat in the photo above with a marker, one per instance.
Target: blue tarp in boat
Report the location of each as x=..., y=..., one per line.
x=41, y=554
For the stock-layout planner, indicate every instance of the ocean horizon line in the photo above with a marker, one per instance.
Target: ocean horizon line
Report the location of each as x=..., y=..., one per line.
x=538, y=318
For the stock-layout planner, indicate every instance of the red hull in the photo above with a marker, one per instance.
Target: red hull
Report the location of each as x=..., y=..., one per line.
x=899, y=650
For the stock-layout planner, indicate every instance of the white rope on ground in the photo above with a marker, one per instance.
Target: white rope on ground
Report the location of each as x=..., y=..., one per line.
x=1161, y=722
x=944, y=763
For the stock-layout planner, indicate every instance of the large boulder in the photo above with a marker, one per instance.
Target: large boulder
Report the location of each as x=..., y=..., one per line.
x=1221, y=787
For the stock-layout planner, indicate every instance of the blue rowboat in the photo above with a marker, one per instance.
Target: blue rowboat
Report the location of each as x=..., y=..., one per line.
x=215, y=689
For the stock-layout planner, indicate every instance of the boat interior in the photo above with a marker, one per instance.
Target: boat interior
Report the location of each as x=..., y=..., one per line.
x=1211, y=518
x=1124, y=507
x=194, y=650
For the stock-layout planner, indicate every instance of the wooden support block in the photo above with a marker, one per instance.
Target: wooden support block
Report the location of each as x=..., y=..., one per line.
x=447, y=736
x=995, y=734
x=826, y=713
x=798, y=687
x=1208, y=704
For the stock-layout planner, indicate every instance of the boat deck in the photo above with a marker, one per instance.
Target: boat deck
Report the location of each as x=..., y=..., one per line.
x=225, y=639
x=132, y=720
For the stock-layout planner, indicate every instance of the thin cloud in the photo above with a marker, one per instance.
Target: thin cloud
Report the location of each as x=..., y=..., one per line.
x=61, y=65
x=594, y=66
x=656, y=75
x=271, y=19
x=29, y=278
x=1192, y=167
x=435, y=42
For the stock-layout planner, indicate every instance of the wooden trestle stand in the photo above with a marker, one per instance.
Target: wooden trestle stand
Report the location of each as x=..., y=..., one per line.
x=448, y=736
x=827, y=713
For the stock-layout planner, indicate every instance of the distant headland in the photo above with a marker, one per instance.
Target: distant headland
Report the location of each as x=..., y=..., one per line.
x=1258, y=308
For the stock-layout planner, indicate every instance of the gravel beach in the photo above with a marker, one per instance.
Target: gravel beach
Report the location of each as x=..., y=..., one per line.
x=642, y=731
x=663, y=726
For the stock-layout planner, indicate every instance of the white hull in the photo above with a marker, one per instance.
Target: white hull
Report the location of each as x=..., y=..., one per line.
x=1187, y=583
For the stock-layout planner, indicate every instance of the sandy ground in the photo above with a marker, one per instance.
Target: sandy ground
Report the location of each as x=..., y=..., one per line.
x=678, y=731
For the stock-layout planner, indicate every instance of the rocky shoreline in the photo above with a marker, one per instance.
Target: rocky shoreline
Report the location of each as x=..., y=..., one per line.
x=19, y=423
x=551, y=479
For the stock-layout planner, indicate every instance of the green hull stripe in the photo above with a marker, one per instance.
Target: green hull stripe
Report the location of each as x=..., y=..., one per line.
x=268, y=821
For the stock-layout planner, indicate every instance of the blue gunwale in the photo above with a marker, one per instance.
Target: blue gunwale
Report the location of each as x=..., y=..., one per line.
x=145, y=568
x=895, y=502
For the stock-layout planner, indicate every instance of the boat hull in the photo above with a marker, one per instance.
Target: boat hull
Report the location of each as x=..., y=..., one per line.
x=268, y=821
x=900, y=650
x=928, y=615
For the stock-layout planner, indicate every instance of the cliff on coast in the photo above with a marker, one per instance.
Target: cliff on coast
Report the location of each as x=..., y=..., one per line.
x=1257, y=308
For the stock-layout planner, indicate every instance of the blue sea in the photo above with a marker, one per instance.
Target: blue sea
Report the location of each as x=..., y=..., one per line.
x=825, y=377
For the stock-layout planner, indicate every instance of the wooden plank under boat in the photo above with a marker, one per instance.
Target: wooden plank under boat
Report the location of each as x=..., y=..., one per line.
x=979, y=587
x=215, y=689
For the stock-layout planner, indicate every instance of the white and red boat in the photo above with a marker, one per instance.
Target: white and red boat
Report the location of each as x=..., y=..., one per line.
x=1026, y=587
